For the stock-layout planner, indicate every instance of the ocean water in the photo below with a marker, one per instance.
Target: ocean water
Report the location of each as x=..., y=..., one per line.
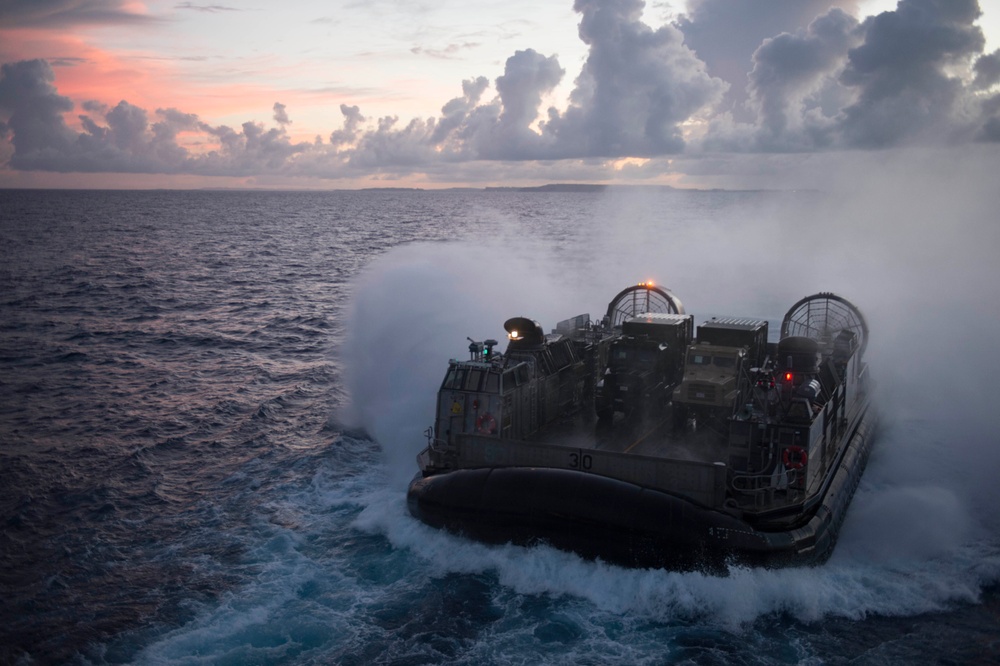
x=210, y=404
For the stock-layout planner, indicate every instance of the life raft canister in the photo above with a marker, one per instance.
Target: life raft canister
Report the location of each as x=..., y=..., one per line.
x=486, y=424
x=794, y=457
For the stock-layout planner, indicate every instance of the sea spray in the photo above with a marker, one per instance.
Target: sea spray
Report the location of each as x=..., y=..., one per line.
x=917, y=482
x=412, y=310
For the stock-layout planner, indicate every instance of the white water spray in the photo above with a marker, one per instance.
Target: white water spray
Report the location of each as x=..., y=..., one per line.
x=913, y=248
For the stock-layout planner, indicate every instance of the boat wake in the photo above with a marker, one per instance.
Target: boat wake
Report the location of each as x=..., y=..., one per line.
x=870, y=573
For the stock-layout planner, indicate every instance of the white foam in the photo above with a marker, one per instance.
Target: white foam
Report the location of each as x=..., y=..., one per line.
x=887, y=576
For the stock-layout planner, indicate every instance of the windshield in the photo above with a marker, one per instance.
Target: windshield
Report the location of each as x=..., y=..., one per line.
x=718, y=361
x=725, y=361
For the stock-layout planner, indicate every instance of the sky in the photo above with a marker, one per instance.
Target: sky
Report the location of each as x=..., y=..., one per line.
x=389, y=93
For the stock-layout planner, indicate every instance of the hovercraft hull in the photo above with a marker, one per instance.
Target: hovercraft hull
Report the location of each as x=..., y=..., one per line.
x=622, y=523
x=703, y=447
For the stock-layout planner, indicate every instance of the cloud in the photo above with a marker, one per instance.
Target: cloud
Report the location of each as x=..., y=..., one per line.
x=793, y=88
x=280, y=114
x=94, y=106
x=900, y=78
x=67, y=13
x=391, y=146
x=528, y=75
x=33, y=109
x=901, y=72
x=987, y=70
x=67, y=61
x=127, y=142
x=447, y=53
x=814, y=79
x=725, y=35
x=636, y=87
x=352, y=121
x=456, y=111
x=209, y=9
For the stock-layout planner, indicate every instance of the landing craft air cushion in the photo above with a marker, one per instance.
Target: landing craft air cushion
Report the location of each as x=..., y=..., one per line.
x=645, y=442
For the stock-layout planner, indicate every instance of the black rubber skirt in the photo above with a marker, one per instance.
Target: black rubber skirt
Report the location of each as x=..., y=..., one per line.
x=594, y=516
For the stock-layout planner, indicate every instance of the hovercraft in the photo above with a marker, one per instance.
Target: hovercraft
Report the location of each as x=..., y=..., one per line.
x=645, y=441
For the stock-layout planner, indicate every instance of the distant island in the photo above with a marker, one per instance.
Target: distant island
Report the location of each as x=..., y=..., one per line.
x=551, y=187
x=556, y=187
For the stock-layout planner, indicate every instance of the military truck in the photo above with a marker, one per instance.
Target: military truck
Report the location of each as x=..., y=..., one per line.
x=644, y=365
x=720, y=358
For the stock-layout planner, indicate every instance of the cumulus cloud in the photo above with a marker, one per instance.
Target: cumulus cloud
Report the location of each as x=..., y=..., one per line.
x=127, y=141
x=33, y=109
x=810, y=78
x=901, y=78
x=527, y=76
x=455, y=112
x=352, y=122
x=725, y=35
x=636, y=88
x=901, y=72
x=792, y=86
x=393, y=146
x=987, y=70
